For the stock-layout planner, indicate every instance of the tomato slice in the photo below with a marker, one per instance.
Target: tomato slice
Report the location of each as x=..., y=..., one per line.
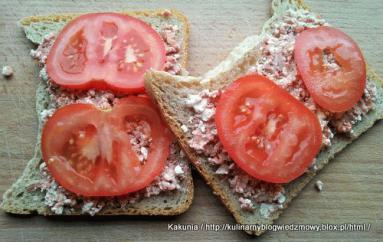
x=332, y=67
x=89, y=152
x=266, y=131
x=105, y=51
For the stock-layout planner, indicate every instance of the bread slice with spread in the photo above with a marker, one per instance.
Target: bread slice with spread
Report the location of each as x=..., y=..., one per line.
x=36, y=191
x=189, y=106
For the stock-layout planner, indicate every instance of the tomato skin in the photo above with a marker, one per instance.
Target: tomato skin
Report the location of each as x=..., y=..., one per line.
x=339, y=89
x=101, y=162
x=105, y=51
x=266, y=131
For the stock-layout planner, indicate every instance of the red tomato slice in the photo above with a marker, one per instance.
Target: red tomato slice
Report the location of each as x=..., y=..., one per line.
x=88, y=151
x=266, y=131
x=105, y=51
x=332, y=67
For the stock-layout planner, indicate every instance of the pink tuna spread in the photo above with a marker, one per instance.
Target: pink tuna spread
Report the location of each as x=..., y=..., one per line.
x=173, y=47
x=58, y=199
x=276, y=61
x=139, y=134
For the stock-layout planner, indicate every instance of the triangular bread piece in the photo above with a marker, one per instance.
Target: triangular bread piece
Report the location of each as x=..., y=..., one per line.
x=172, y=94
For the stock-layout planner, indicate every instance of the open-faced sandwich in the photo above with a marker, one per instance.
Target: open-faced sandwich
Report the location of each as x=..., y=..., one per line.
x=260, y=125
x=102, y=146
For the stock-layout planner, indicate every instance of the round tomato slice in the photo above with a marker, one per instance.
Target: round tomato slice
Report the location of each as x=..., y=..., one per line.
x=105, y=51
x=89, y=151
x=332, y=67
x=266, y=131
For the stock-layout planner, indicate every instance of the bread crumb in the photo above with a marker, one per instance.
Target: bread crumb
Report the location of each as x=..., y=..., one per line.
x=246, y=204
x=46, y=114
x=281, y=198
x=7, y=71
x=178, y=170
x=205, y=80
x=314, y=166
x=184, y=128
x=167, y=13
x=266, y=209
x=222, y=169
x=319, y=185
x=91, y=208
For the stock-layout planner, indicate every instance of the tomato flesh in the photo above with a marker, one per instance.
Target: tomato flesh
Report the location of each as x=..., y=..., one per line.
x=88, y=151
x=266, y=131
x=332, y=67
x=105, y=51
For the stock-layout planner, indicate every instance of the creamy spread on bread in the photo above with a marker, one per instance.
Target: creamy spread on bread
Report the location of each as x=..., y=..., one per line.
x=173, y=47
x=61, y=201
x=276, y=61
x=139, y=135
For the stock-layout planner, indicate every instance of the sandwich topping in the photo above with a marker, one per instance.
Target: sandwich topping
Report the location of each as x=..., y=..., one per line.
x=59, y=199
x=266, y=131
x=101, y=98
x=276, y=62
x=173, y=48
x=105, y=51
x=90, y=152
x=332, y=67
x=252, y=193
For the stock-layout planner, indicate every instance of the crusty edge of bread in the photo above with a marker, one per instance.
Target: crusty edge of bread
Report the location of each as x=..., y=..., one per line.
x=185, y=198
x=218, y=77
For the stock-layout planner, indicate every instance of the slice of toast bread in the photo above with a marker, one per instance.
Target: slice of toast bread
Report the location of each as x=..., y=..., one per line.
x=170, y=93
x=22, y=199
